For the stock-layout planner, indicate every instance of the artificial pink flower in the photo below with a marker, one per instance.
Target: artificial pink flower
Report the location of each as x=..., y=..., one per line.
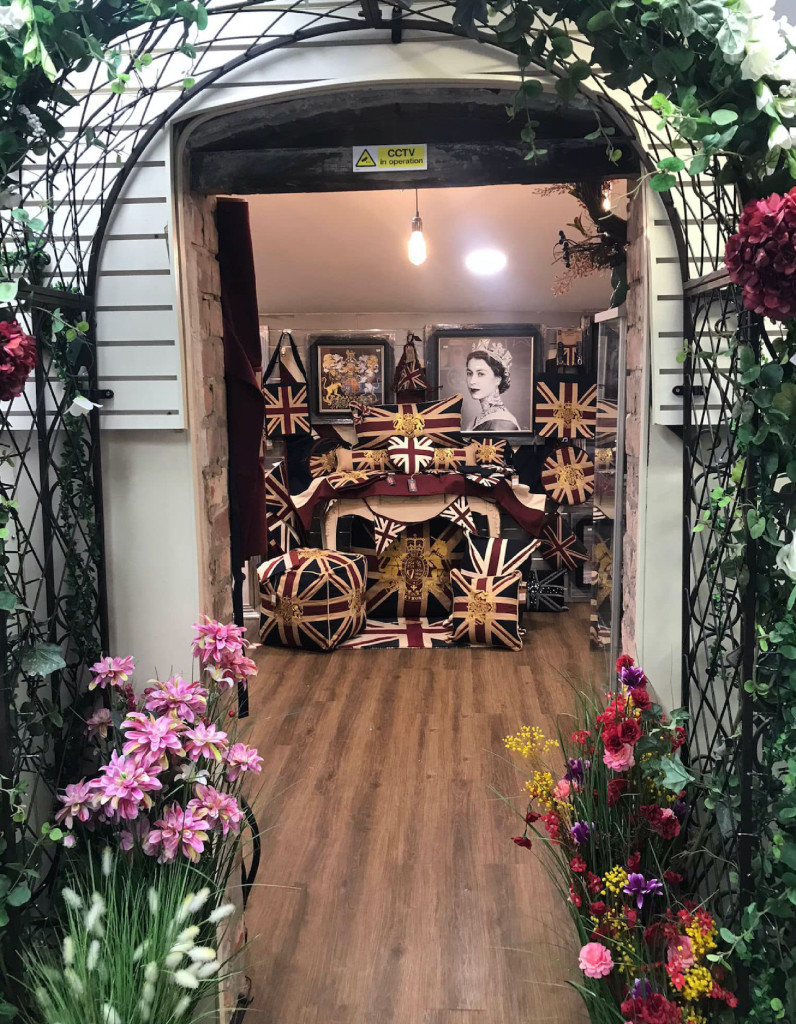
x=17, y=358
x=179, y=830
x=562, y=789
x=240, y=758
x=621, y=759
x=124, y=786
x=216, y=808
x=680, y=954
x=99, y=723
x=214, y=640
x=187, y=700
x=70, y=841
x=761, y=256
x=152, y=737
x=231, y=669
x=205, y=741
x=595, y=960
x=137, y=833
x=78, y=801
x=113, y=671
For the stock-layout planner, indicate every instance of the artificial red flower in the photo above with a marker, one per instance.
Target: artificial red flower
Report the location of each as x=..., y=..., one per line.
x=593, y=883
x=628, y=1008
x=578, y=865
x=761, y=256
x=17, y=358
x=658, y=1010
x=580, y=736
x=668, y=826
x=522, y=841
x=633, y=861
x=551, y=823
x=531, y=817
x=677, y=978
x=598, y=908
x=614, y=713
x=678, y=739
x=631, y=916
x=653, y=933
x=717, y=992
x=612, y=741
x=672, y=877
x=624, y=661
x=630, y=731
x=640, y=698
x=574, y=898
x=652, y=812
x=616, y=788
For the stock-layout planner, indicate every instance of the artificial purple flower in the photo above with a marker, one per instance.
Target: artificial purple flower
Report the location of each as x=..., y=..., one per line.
x=580, y=832
x=638, y=886
x=642, y=989
x=574, y=770
x=680, y=808
x=632, y=676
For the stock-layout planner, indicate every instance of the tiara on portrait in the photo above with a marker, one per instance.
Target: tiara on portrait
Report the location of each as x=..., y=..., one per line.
x=495, y=349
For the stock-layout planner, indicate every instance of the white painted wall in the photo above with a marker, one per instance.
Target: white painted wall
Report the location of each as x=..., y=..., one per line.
x=150, y=541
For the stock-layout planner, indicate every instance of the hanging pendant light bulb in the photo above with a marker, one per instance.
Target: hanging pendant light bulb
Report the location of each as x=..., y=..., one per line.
x=417, y=243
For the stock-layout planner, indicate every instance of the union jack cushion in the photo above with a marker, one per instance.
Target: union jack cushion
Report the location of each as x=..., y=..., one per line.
x=490, y=453
x=565, y=408
x=411, y=454
x=450, y=460
x=486, y=609
x=348, y=479
x=568, y=475
x=560, y=546
x=440, y=422
x=312, y=598
x=495, y=556
x=410, y=578
x=546, y=590
x=365, y=459
x=286, y=409
x=323, y=464
x=280, y=514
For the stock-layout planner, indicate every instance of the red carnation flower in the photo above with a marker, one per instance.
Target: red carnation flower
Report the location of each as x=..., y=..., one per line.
x=593, y=883
x=578, y=865
x=551, y=823
x=522, y=841
x=672, y=877
x=597, y=908
x=652, y=812
x=678, y=739
x=574, y=897
x=612, y=741
x=580, y=736
x=624, y=661
x=761, y=257
x=658, y=1010
x=17, y=358
x=633, y=861
x=668, y=826
x=630, y=731
x=616, y=788
x=640, y=698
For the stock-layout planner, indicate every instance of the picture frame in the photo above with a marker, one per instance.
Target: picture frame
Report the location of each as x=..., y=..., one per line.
x=498, y=392
x=347, y=366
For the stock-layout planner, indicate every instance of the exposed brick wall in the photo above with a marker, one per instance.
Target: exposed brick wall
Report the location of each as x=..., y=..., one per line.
x=206, y=400
x=636, y=400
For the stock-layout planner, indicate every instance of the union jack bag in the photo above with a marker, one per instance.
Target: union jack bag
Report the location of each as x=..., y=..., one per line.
x=286, y=410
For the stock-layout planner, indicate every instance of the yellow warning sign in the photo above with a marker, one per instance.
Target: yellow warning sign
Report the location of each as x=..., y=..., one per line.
x=391, y=158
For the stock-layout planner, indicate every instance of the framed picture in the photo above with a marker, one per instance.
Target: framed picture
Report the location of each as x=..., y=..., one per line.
x=346, y=367
x=492, y=367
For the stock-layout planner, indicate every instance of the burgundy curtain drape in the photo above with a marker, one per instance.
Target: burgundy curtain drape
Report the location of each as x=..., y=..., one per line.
x=242, y=357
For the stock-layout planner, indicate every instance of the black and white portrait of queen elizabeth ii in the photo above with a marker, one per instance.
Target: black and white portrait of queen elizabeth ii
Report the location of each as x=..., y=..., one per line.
x=495, y=377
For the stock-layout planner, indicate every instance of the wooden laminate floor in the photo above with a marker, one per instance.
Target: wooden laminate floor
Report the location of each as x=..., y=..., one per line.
x=389, y=890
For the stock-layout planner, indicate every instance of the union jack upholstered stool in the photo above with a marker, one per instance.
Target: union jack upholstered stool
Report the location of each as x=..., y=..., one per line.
x=312, y=598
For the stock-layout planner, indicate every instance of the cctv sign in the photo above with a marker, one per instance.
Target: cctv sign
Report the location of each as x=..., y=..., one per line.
x=390, y=158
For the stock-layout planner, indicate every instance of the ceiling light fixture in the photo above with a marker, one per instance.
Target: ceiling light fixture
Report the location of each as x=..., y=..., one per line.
x=605, y=191
x=417, y=243
x=485, y=261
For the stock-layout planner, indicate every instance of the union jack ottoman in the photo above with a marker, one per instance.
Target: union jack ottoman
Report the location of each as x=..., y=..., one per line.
x=312, y=598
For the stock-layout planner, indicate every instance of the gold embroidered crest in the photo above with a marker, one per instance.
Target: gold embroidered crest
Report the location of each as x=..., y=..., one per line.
x=569, y=476
x=480, y=607
x=288, y=610
x=409, y=424
x=567, y=413
x=356, y=601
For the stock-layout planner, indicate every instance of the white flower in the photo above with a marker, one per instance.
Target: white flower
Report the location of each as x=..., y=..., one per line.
x=151, y=972
x=81, y=406
x=221, y=912
x=192, y=903
x=188, y=934
x=786, y=559
x=191, y=772
x=71, y=898
x=182, y=1006
x=13, y=18
x=69, y=951
x=779, y=137
x=93, y=918
x=107, y=861
x=109, y=1015
x=154, y=900
x=173, y=959
x=73, y=981
x=145, y=1009
x=148, y=993
x=92, y=957
x=207, y=970
x=202, y=954
x=764, y=95
x=185, y=979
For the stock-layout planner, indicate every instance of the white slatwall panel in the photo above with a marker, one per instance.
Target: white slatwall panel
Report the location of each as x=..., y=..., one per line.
x=665, y=313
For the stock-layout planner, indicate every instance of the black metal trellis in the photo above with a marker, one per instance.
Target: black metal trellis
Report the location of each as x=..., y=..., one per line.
x=80, y=182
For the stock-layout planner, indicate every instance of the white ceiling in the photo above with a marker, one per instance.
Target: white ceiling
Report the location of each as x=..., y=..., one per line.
x=338, y=252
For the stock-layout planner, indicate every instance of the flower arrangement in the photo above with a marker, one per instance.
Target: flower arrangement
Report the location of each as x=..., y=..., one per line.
x=761, y=256
x=135, y=948
x=170, y=783
x=613, y=822
x=17, y=358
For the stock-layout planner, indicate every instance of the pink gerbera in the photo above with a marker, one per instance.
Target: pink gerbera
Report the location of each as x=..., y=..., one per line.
x=216, y=808
x=124, y=786
x=111, y=671
x=241, y=758
x=180, y=829
x=214, y=640
x=152, y=737
x=99, y=723
x=78, y=801
x=187, y=700
x=205, y=741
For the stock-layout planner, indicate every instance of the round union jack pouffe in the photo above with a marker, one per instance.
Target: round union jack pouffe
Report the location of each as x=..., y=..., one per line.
x=312, y=598
x=568, y=475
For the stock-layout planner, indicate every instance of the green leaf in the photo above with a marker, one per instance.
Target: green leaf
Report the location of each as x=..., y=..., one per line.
x=787, y=651
x=771, y=375
x=580, y=70
x=562, y=46
x=790, y=470
x=19, y=895
x=42, y=660
x=662, y=182
x=722, y=117
x=727, y=935
x=8, y=290
x=671, y=163
x=8, y=601
x=699, y=164
x=599, y=21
